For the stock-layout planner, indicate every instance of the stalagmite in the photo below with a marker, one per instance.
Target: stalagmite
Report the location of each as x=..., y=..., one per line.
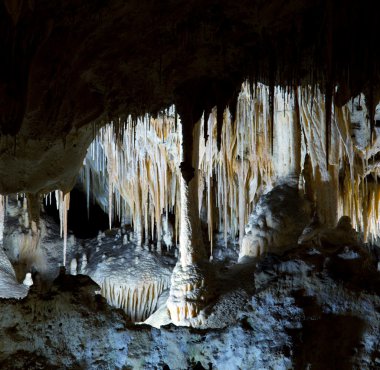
x=84, y=264
x=189, y=291
x=73, y=266
x=28, y=281
x=29, y=219
x=276, y=223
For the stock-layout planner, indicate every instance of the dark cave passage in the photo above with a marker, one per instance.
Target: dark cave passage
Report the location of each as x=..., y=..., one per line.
x=79, y=223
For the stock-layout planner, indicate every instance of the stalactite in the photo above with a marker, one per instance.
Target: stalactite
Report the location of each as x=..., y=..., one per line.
x=137, y=301
x=88, y=183
x=141, y=168
x=243, y=165
x=271, y=113
x=206, y=117
x=328, y=112
x=219, y=124
x=141, y=165
x=235, y=169
x=371, y=111
x=66, y=206
x=33, y=207
x=63, y=205
x=296, y=135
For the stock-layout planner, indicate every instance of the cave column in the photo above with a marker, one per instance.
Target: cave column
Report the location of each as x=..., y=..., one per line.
x=188, y=292
x=190, y=237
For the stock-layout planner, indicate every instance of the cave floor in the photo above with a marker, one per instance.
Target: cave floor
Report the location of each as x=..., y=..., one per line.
x=314, y=307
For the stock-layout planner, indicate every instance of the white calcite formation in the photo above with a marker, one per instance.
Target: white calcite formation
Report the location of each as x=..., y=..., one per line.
x=30, y=247
x=230, y=179
x=189, y=293
x=63, y=205
x=130, y=278
x=133, y=172
x=28, y=281
x=138, y=301
x=276, y=223
x=190, y=282
x=141, y=162
x=74, y=266
x=132, y=169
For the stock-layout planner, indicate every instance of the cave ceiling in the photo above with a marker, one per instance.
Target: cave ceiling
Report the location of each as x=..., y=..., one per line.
x=67, y=64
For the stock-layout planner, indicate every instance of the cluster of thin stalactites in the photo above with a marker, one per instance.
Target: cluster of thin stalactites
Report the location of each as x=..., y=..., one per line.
x=140, y=301
x=140, y=168
x=134, y=172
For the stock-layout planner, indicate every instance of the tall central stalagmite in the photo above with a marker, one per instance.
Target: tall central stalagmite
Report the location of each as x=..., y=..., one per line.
x=188, y=288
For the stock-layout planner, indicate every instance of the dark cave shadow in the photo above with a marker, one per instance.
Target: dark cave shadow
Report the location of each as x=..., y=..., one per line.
x=82, y=224
x=325, y=341
x=242, y=275
x=238, y=276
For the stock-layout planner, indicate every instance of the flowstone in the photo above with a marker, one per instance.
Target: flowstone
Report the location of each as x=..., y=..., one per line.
x=276, y=223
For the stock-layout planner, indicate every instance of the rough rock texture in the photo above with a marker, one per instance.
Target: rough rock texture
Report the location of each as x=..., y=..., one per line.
x=42, y=162
x=9, y=286
x=312, y=307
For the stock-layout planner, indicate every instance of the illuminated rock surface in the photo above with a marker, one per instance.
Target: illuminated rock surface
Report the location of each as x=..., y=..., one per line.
x=264, y=315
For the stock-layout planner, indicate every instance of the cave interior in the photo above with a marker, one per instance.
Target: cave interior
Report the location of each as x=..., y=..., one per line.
x=189, y=184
